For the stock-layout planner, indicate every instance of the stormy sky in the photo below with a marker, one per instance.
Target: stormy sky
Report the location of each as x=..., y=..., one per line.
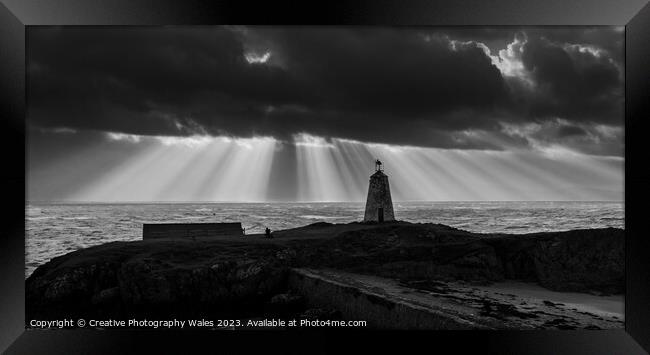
x=550, y=98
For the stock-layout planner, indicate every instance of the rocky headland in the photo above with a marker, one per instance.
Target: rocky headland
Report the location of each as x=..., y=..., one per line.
x=249, y=276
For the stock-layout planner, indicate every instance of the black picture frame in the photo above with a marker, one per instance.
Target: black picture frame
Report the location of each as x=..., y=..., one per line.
x=15, y=15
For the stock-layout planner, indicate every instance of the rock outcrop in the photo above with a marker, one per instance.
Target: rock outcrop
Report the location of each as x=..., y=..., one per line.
x=166, y=278
x=589, y=260
x=579, y=260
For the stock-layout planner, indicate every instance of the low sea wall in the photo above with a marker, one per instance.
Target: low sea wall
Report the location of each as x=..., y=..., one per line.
x=190, y=230
x=378, y=310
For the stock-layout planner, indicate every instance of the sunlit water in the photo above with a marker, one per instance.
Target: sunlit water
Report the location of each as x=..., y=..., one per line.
x=57, y=229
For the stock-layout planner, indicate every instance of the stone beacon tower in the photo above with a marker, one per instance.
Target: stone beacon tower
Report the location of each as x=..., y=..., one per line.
x=379, y=205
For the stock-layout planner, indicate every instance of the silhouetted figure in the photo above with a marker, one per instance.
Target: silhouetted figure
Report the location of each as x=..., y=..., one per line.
x=268, y=232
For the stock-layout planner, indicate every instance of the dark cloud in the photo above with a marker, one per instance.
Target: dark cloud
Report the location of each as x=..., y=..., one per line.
x=571, y=131
x=572, y=83
x=389, y=72
x=608, y=38
x=416, y=86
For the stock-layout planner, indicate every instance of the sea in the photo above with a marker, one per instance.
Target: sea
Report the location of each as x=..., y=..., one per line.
x=54, y=229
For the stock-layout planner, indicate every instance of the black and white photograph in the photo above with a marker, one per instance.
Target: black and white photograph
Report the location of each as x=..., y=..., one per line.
x=362, y=177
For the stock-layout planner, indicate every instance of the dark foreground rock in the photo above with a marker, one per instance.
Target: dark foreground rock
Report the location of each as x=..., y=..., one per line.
x=166, y=278
x=579, y=260
x=248, y=276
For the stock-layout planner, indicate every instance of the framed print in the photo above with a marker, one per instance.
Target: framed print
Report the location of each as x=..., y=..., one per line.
x=466, y=174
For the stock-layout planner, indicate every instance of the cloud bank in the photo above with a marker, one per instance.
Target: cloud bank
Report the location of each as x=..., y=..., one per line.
x=458, y=88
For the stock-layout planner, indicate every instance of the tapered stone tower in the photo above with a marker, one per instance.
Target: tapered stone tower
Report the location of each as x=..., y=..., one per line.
x=379, y=205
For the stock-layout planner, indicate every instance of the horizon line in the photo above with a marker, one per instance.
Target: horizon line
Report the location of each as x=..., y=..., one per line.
x=282, y=201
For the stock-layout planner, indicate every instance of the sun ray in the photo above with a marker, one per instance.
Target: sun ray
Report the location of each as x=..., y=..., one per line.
x=239, y=170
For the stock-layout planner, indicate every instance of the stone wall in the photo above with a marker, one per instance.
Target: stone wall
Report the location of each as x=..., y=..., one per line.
x=379, y=311
x=190, y=230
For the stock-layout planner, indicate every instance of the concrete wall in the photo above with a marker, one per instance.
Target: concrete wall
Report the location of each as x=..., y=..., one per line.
x=379, y=311
x=190, y=230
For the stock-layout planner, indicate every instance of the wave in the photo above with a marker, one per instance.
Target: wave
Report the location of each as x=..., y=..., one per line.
x=310, y=216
